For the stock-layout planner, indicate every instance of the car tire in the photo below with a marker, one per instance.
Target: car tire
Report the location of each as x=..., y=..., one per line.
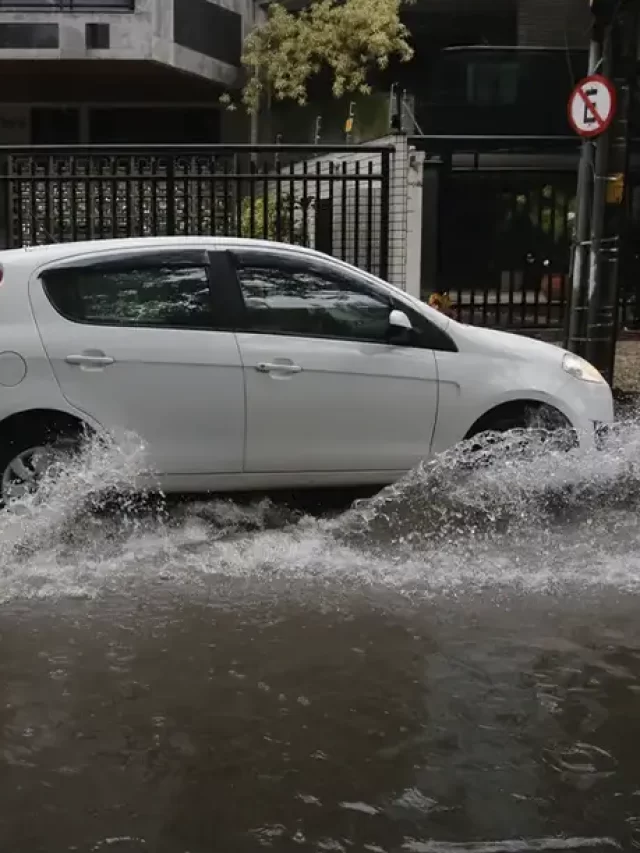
x=25, y=458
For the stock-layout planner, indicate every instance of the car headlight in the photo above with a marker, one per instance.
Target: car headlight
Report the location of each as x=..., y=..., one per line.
x=581, y=369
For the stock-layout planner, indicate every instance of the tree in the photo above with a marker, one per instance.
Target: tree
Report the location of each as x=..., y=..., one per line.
x=349, y=38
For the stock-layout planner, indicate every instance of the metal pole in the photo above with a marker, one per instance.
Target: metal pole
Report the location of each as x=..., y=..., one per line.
x=575, y=339
x=611, y=177
x=597, y=319
x=625, y=44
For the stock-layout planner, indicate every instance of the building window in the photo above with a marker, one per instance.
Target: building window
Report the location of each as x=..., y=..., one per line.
x=97, y=36
x=209, y=29
x=28, y=36
x=492, y=84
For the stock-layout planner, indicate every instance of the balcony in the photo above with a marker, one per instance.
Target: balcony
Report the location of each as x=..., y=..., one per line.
x=83, y=6
x=199, y=37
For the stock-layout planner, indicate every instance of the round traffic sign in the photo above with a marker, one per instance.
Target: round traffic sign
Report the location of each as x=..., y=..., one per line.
x=592, y=106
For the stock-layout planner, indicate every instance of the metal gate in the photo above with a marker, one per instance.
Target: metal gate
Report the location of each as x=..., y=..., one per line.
x=502, y=225
x=502, y=236
x=513, y=269
x=333, y=198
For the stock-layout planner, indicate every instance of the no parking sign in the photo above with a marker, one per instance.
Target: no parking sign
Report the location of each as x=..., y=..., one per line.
x=592, y=106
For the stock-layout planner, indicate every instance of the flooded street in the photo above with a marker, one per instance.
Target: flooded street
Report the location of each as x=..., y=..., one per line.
x=450, y=667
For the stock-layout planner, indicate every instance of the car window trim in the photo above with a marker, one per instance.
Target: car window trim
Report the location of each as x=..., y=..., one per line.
x=296, y=259
x=220, y=319
x=142, y=257
x=224, y=287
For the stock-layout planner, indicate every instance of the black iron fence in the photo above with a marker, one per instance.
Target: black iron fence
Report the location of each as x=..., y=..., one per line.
x=335, y=199
x=503, y=229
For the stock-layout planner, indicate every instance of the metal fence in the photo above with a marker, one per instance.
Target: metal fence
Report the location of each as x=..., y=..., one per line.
x=504, y=228
x=314, y=196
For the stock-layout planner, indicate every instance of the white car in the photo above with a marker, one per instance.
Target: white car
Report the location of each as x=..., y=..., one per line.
x=250, y=365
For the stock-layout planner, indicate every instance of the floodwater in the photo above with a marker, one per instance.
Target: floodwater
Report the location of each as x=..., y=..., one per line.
x=450, y=667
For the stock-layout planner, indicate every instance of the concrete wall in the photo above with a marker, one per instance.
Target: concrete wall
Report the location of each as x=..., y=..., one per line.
x=131, y=34
x=415, y=195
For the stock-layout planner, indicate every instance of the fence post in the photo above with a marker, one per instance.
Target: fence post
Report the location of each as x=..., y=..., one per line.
x=415, y=182
x=385, y=212
x=445, y=177
x=398, y=212
x=6, y=204
x=171, y=196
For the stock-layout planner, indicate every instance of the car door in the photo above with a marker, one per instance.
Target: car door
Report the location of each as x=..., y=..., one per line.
x=326, y=389
x=139, y=342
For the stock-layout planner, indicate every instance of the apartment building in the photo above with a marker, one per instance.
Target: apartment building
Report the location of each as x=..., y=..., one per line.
x=496, y=66
x=116, y=71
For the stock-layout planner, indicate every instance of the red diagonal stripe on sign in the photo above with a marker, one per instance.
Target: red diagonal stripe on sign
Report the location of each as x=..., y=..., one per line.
x=592, y=108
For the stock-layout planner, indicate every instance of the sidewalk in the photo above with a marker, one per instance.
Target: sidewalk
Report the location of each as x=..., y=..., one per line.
x=627, y=367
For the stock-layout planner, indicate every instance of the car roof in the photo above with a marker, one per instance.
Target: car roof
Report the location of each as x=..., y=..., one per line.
x=33, y=256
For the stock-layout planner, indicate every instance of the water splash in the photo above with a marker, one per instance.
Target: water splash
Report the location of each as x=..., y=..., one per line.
x=501, y=483
x=48, y=540
x=518, y=514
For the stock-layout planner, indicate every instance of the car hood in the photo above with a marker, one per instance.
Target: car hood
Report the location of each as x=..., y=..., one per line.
x=505, y=344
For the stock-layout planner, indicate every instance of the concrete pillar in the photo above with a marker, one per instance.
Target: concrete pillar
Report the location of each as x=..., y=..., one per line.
x=398, y=186
x=415, y=178
x=430, y=229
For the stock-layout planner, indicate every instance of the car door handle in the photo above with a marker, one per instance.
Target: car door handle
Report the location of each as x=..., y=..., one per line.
x=85, y=360
x=278, y=367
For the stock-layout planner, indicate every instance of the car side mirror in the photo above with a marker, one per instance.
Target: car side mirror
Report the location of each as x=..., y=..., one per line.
x=399, y=322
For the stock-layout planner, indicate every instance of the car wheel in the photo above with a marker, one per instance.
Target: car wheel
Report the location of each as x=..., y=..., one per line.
x=24, y=461
x=548, y=426
x=521, y=432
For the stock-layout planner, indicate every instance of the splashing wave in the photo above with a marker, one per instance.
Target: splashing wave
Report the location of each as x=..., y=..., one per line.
x=517, y=513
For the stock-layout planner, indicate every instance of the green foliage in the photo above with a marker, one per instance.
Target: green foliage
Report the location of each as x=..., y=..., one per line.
x=283, y=226
x=348, y=37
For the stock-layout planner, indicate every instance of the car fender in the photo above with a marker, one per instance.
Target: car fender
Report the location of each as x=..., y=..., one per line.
x=453, y=425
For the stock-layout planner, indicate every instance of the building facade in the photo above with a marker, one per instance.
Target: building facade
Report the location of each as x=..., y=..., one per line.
x=119, y=71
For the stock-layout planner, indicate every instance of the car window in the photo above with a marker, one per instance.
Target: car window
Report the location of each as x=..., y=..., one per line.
x=167, y=295
x=303, y=299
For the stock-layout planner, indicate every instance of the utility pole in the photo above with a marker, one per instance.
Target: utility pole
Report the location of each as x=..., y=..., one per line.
x=609, y=219
x=578, y=305
x=593, y=322
x=600, y=309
